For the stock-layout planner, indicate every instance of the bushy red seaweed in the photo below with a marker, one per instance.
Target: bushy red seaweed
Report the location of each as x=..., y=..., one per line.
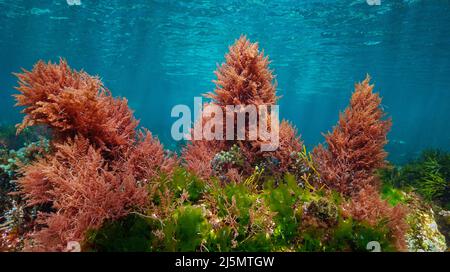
x=355, y=148
x=99, y=165
x=73, y=102
x=82, y=189
x=244, y=79
x=368, y=206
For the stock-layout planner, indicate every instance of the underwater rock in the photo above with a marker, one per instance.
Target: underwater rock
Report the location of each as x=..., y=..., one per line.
x=25, y=155
x=10, y=162
x=443, y=221
x=15, y=218
x=324, y=210
x=12, y=225
x=424, y=235
x=224, y=160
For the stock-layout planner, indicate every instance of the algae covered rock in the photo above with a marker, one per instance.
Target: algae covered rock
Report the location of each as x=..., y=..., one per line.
x=424, y=235
x=324, y=210
x=443, y=221
x=15, y=217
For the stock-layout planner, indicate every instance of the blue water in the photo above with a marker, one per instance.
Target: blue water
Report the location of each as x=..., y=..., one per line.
x=162, y=53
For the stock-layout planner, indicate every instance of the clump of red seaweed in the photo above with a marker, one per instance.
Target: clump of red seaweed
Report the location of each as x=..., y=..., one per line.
x=74, y=103
x=100, y=163
x=355, y=148
x=244, y=79
x=369, y=207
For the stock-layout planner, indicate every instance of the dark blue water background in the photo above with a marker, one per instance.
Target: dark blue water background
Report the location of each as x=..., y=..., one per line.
x=162, y=53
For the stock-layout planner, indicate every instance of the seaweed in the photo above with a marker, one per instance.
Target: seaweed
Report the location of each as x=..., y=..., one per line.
x=111, y=187
x=243, y=79
x=239, y=217
x=355, y=147
x=129, y=234
x=100, y=163
x=429, y=176
x=185, y=230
